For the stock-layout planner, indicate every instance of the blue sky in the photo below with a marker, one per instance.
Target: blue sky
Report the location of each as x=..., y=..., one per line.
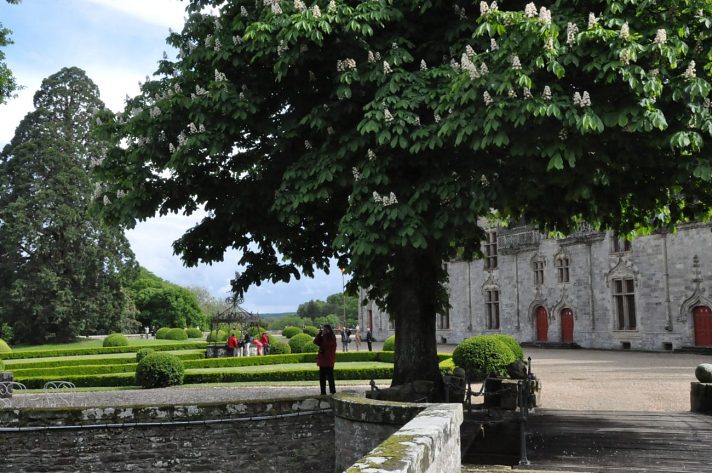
x=118, y=43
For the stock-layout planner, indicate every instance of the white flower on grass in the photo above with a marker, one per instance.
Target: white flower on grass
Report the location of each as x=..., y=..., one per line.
x=316, y=12
x=625, y=31
x=386, y=67
x=545, y=15
x=299, y=6
x=526, y=93
x=493, y=44
x=487, y=98
x=332, y=7
x=690, y=71
x=592, y=20
x=387, y=115
x=530, y=10
x=571, y=32
x=547, y=93
x=516, y=64
x=423, y=66
x=660, y=36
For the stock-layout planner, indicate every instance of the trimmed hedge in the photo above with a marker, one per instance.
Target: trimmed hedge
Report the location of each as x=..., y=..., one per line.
x=447, y=366
x=116, y=340
x=390, y=343
x=74, y=370
x=217, y=336
x=4, y=347
x=193, y=332
x=2, y=365
x=143, y=353
x=298, y=342
x=311, y=330
x=161, y=333
x=98, y=350
x=483, y=355
x=81, y=361
x=176, y=334
x=308, y=374
x=159, y=370
x=512, y=343
x=290, y=331
x=279, y=348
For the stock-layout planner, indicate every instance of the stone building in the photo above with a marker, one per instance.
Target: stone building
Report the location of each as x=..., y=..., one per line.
x=591, y=289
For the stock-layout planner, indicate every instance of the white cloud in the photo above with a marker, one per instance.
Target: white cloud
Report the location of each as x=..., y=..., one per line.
x=166, y=13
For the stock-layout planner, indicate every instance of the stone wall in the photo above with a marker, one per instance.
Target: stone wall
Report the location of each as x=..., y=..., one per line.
x=295, y=436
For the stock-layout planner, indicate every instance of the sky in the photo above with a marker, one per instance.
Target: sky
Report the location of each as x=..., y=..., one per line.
x=118, y=43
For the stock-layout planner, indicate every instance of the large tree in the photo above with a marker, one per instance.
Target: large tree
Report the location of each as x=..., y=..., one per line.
x=61, y=267
x=380, y=132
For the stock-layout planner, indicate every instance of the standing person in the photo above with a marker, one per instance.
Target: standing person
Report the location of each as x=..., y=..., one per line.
x=326, y=358
x=357, y=339
x=247, y=344
x=231, y=344
x=369, y=338
x=265, y=342
x=345, y=339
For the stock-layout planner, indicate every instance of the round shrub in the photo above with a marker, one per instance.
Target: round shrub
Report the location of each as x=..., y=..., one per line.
x=159, y=370
x=311, y=330
x=176, y=334
x=116, y=340
x=289, y=332
x=389, y=343
x=483, y=355
x=217, y=336
x=255, y=331
x=447, y=367
x=310, y=347
x=4, y=347
x=161, y=333
x=143, y=353
x=298, y=341
x=193, y=332
x=279, y=348
x=513, y=345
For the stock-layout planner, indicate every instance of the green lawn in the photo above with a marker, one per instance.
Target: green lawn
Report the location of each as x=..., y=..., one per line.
x=98, y=343
x=289, y=367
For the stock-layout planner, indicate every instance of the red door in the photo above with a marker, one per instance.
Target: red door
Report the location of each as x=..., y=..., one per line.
x=542, y=325
x=703, y=325
x=567, y=326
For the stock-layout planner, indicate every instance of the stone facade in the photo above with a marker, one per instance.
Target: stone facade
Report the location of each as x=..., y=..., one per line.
x=662, y=279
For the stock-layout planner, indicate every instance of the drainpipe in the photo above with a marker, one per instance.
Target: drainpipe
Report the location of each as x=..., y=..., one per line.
x=590, y=287
x=667, y=284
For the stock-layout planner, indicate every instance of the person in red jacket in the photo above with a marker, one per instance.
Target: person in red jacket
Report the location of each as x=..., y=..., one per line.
x=326, y=358
x=231, y=344
x=265, y=342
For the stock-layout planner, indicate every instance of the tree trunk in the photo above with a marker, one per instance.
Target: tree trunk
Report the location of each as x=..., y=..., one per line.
x=413, y=305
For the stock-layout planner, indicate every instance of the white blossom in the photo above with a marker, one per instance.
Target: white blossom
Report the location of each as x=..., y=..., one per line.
x=200, y=91
x=209, y=41
x=357, y=175
x=483, y=69
x=371, y=155
x=192, y=129
x=241, y=96
x=493, y=7
x=155, y=112
x=307, y=144
x=120, y=193
x=423, y=66
x=660, y=37
x=182, y=139
x=549, y=44
x=530, y=10
x=276, y=7
x=218, y=44
x=470, y=67
x=547, y=93
x=493, y=44
x=487, y=98
x=330, y=131
x=577, y=99
x=299, y=6
x=281, y=48
x=690, y=71
x=387, y=115
x=563, y=134
x=484, y=8
x=394, y=45
x=237, y=40
x=582, y=100
x=416, y=120
x=390, y=200
x=106, y=200
x=469, y=51
x=592, y=20
x=624, y=56
x=371, y=57
x=625, y=31
x=219, y=76
x=571, y=32
x=484, y=181
x=345, y=65
x=526, y=93
x=316, y=12
x=454, y=65
x=177, y=88
x=377, y=198
x=201, y=128
x=171, y=148
x=332, y=7
x=243, y=11
x=512, y=94
x=437, y=118
x=386, y=67
x=545, y=15
x=98, y=121
x=516, y=64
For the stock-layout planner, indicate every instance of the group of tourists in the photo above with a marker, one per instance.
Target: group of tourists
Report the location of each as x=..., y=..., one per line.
x=347, y=333
x=236, y=347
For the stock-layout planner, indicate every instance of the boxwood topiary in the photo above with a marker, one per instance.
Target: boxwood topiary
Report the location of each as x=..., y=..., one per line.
x=217, y=336
x=4, y=347
x=279, y=348
x=483, y=355
x=298, y=341
x=513, y=345
x=390, y=343
x=161, y=333
x=2, y=365
x=193, y=332
x=116, y=340
x=176, y=334
x=143, y=353
x=311, y=330
x=159, y=370
x=310, y=347
x=290, y=331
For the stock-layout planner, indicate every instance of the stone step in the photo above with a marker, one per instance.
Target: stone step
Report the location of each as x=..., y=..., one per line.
x=561, y=345
x=695, y=350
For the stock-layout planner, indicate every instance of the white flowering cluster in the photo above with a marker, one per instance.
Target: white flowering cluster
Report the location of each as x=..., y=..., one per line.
x=387, y=115
x=357, y=175
x=243, y=11
x=690, y=71
x=582, y=100
x=386, y=200
x=461, y=13
x=177, y=88
x=624, y=56
x=208, y=41
x=345, y=65
x=307, y=144
x=219, y=76
x=516, y=64
x=592, y=20
x=660, y=37
x=526, y=93
x=484, y=8
x=423, y=66
x=155, y=112
x=98, y=121
x=454, y=65
x=281, y=48
x=469, y=51
x=316, y=12
x=545, y=15
x=437, y=118
x=563, y=134
x=571, y=32
x=106, y=200
x=484, y=181
x=549, y=44
x=386, y=67
x=373, y=57
x=332, y=7
x=330, y=130
x=493, y=44
x=371, y=155
x=274, y=6
x=487, y=98
x=547, y=93
x=182, y=139
x=625, y=31
x=512, y=94
x=299, y=6
x=530, y=10
x=416, y=120
x=483, y=69
x=237, y=40
x=218, y=44
x=192, y=129
x=469, y=67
